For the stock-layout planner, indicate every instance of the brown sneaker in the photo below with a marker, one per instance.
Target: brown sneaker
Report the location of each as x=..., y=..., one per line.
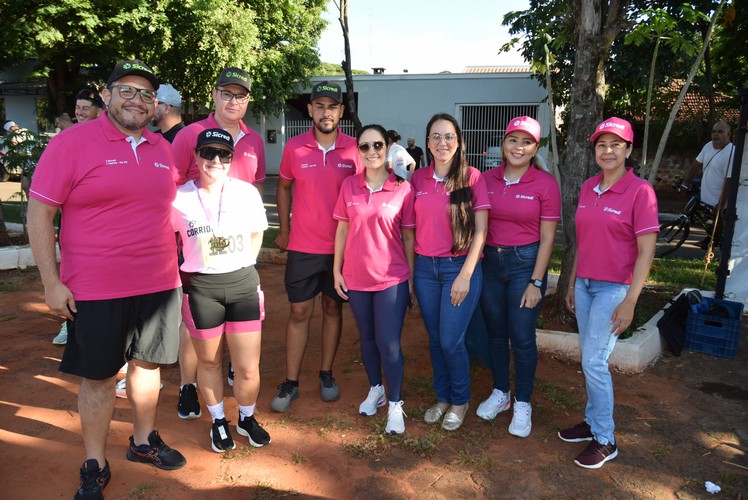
x=596, y=454
x=578, y=433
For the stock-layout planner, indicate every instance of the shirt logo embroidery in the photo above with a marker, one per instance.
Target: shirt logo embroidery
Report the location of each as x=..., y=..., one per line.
x=613, y=210
x=115, y=162
x=161, y=165
x=308, y=165
x=524, y=197
x=344, y=165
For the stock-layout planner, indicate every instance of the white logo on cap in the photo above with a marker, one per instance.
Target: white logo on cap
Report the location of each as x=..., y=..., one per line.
x=611, y=124
x=216, y=134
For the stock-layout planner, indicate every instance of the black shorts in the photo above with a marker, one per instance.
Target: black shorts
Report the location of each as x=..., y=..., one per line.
x=230, y=302
x=107, y=333
x=308, y=274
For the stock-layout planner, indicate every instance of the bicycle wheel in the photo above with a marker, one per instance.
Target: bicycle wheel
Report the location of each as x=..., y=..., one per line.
x=671, y=236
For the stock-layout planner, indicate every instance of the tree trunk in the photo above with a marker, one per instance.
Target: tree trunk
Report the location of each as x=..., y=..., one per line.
x=706, y=34
x=647, y=111
x=681, y=96
x=549, y=89
x=593, y=42
x=346, y=64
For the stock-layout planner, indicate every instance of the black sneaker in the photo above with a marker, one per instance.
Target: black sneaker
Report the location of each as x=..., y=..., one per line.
x=577, y=434
x=93, y=480
x=156, y=452
x=287, y=392
x=189, y=406
x=328, y=388
x=220, y=435
x=249, y=427
x=596, y=454
x=230, y=377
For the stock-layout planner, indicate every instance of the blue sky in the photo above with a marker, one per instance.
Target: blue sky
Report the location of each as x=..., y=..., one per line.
x=422, y=36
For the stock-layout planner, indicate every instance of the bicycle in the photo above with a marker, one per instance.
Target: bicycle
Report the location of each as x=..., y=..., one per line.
x=674, y=233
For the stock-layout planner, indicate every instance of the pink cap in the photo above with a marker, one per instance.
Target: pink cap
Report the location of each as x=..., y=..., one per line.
x=524, y=124
x=617, y=126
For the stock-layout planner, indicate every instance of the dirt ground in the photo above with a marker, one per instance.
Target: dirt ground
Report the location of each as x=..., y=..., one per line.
x=681, y=423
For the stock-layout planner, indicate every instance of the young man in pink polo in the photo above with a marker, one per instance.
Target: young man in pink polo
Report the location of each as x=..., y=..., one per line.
x=315, y=164
x=118, y=284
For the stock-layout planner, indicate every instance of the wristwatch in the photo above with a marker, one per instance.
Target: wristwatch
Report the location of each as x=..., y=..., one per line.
x=537, y=283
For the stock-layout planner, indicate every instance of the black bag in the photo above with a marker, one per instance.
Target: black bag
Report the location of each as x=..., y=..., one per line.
x=672, y=325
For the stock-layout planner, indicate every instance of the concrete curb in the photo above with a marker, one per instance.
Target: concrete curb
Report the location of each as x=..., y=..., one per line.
x=632, y=355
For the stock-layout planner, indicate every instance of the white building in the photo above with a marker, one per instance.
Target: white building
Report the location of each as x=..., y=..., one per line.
x=483, y=103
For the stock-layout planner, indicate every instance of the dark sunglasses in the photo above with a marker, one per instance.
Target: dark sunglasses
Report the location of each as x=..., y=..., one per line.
x=365, y=146
x=210, y=153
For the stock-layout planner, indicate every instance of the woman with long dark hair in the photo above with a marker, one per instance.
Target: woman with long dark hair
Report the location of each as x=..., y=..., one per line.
x=451, y=209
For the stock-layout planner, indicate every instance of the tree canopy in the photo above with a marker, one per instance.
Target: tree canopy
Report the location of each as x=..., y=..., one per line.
x=187, y=42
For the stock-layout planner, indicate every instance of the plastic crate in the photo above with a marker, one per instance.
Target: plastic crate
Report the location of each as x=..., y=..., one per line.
x=715, y=335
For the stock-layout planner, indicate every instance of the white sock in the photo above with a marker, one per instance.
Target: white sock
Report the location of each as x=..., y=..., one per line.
x=216, y=411
x=246, y=411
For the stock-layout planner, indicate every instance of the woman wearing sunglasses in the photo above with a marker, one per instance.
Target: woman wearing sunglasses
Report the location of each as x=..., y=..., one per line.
x=451, y=211
x=221, y=220
x=372, y=268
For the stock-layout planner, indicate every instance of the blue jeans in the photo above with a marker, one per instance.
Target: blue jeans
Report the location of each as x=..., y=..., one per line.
x=379, y=316
x=595, y=302
x=506, y=275
x=446, y=324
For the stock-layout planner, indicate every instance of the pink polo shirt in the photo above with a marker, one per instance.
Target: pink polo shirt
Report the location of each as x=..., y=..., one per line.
x=374, y=257
x=433, y=226
x=317, y=177
x=249, y=155
x=116, y=239
x=608, y=225
x=518, y=208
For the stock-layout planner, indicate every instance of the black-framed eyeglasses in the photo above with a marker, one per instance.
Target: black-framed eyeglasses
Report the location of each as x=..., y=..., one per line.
x=448, y=138
x=128, y=92
x=208, y=153
x=227, y=96
x=365, y=146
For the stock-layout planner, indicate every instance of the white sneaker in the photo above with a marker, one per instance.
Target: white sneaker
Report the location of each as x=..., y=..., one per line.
x=120, y=390
x=62, y=337
x=374, y=400
x=522, y=421
x=395, y=420
x=497, y=402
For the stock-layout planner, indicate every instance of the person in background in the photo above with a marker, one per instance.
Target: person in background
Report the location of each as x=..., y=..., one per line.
x=373, y=267
x=314, y=164
x=221, y=220
x=168, y=117
x=451, y=208
x=398, y=159
x=714, y=165
x=88, y=105
x=119, y=288
x=522, y=222
x=616, y=225
x=415, y=152
x=63, y=121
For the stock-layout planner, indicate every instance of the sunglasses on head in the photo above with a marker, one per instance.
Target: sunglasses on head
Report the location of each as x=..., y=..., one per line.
x=365, y=146
x=208, y=153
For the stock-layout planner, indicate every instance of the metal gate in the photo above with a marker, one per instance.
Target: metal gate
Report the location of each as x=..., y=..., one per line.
x=483, y=128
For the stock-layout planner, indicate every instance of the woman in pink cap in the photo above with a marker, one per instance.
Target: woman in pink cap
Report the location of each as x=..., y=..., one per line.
x=525, y=211
x=616, y=224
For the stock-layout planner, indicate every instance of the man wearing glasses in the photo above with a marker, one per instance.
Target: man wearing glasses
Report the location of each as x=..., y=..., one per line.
x=231, y=97
x=88, y=105
x=118, y=284
x=315, y=164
